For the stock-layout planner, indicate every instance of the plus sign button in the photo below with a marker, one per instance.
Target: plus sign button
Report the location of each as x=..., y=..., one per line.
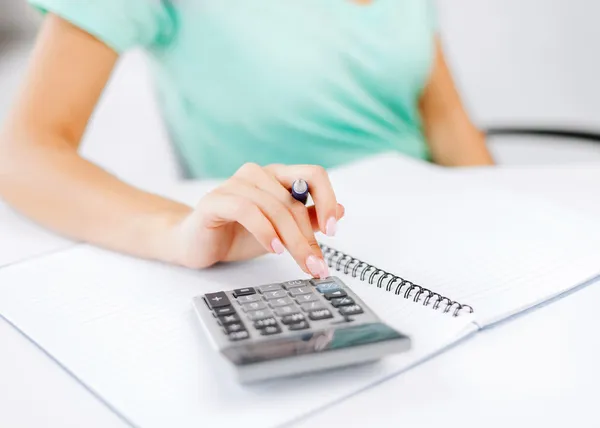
x=217, y=300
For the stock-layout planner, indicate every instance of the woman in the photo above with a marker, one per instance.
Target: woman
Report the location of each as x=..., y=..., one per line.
x=261, y=91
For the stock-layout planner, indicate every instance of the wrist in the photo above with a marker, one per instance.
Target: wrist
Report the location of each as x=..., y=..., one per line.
x=166, y=237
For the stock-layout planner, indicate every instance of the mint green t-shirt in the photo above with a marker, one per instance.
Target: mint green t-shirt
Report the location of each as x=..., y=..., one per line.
x=270, y=81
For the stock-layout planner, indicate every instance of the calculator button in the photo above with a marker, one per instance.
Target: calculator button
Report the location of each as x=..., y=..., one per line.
x=259, y=315
x=217, y=300
x=342, y=301
x=312, y=297
x=297, y=291
x=295, y=283
x=292, y=319
x=281, y=302
x=277, y=294
x=335, y=294
x=302, y=325
x=267, y=331
x=254, y=306
x=328, y=287
x=231, y=328
x=270, y=287
x=286, y=310
x=311, y=306
x=229, y=319
x=320, y=314
x=249, y=299
x=266, y=322
x=351, y=310
x=225, y=310
x=239, y=335
x=243, y=291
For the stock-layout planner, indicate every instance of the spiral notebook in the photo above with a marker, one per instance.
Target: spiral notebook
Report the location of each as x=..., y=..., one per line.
x=438, y=259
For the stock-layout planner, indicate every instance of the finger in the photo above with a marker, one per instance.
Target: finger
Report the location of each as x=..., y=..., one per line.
x=320, y=189
x=257, y=176
x=224, y=208
x=284, y=224
x=312, y=213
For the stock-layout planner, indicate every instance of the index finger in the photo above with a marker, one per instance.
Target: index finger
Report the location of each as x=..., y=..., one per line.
x=320, y=189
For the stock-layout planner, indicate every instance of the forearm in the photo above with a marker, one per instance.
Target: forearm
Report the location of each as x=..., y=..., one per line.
x=457, y=143
x=50, y=183
x=452, y=137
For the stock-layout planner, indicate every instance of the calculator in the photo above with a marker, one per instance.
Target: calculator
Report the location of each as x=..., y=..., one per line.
x=295, y=327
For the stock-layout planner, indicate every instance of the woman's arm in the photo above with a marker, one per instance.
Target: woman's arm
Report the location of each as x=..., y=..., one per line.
x=42, y=175
x=451, y=136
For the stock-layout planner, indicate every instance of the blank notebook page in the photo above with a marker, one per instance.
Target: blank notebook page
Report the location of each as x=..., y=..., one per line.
x=492, y=248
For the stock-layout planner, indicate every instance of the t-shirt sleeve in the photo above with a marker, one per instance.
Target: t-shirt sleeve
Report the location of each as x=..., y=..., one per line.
x=433, y=15
x=121, y=24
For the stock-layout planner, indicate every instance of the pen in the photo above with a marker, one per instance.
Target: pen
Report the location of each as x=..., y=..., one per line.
x=300, y=190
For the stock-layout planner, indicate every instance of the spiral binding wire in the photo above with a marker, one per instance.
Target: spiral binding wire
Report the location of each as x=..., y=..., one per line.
x=382, y=279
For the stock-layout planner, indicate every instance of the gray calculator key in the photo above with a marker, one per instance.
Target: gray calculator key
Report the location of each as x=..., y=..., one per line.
x=286, y=310
x=311, y=297
x=351, y=310
x=327, y=287
x=297, y=291
x=238, y=292
x=239, y=335
x=277, y=294
x=267, y=331
x=265, y=322
x=217, y=300
x=311, y=306
x=302, y=325
x=320, y=314
x=293, y=318
x=229, y=319
x=296, y=283
x=249, y=299
x=285, y=301
x=335, y=294
x=270, y=287
x=342, y=301
x=231, y=328
x=254, y=306
x=225, y=310
x=259, y=315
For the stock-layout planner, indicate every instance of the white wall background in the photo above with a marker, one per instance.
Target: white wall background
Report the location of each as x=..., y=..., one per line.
x=16, y=17
x=526, y=61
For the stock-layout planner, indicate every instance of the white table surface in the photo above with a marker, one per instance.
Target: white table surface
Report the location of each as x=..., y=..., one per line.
x=538, y=370
x=541, y=365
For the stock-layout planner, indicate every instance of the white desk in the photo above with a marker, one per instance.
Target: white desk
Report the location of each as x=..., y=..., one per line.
x=539, y=370
x=542, y=365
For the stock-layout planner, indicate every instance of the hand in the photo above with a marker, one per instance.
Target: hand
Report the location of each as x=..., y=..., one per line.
x=253, y=213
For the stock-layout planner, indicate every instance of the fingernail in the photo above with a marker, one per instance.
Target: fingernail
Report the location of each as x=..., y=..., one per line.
x=317, y=267
x=277, y=246
x=331, y=226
